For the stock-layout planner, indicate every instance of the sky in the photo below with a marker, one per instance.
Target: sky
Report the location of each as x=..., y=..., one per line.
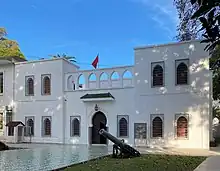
x=85, y=28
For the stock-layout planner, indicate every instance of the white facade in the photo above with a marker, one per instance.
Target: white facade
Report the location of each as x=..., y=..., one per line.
x=130, y=97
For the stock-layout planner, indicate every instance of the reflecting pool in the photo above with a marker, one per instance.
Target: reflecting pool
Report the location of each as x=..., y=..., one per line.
x=48, y=157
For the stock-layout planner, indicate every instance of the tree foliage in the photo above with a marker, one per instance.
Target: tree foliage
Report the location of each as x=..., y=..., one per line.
x=191, y=12
x=208, y=14
x=8, y=48
x=187, y=29
x=3, y=33
x=216, y=73
x=216, y=112
x=65, y=56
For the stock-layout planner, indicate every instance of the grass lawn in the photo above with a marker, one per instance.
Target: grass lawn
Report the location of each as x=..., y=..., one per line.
x=148, y=162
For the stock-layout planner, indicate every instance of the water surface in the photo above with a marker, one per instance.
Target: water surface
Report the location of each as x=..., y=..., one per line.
x=48, y=157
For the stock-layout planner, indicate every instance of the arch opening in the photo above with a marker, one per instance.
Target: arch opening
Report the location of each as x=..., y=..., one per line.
x=115, y=78
x=81, y=82
x=99, y=121
x=127, y=78
x=104, y=80
x=92, y=80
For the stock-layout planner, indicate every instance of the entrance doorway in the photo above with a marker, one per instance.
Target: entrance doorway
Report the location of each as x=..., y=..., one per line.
x=99, y=121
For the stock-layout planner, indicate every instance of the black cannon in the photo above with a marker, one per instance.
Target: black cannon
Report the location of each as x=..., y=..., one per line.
x=120, y=148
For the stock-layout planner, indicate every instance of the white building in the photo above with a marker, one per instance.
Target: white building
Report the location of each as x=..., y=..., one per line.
x=163, y=100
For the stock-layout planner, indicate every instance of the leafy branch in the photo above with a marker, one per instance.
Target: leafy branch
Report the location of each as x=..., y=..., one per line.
x=209, y=16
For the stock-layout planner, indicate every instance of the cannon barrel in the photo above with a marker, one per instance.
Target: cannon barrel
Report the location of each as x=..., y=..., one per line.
x=125, y=148
x=111, y=138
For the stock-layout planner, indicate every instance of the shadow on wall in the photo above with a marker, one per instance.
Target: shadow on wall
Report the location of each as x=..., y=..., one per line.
x=199, y=86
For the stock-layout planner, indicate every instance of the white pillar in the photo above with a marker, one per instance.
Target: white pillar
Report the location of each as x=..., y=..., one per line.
x=16, y=134
x=97, y=81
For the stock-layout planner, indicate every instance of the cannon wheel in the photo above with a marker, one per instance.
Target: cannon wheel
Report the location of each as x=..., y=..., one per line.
x=115, y=151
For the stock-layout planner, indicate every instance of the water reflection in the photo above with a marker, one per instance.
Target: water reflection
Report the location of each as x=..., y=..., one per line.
x=48, y=157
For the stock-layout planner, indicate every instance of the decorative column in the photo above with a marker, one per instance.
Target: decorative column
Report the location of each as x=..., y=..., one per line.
x=86, y=78
x=120, y=79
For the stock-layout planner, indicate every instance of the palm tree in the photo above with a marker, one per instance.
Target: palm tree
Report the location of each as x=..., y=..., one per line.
x=65, y=56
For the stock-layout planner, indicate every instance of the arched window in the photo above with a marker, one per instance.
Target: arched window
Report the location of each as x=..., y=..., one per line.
x=158, y=75
x=182, y=127
x=30, y=86
x=123, y=127
x=46, y=85
x=157, y=127
x=182, y=74
x=47, y=127
x=30, y=123
x=75, y=131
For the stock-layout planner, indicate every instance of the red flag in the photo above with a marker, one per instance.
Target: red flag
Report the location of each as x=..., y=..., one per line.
x=95, y=62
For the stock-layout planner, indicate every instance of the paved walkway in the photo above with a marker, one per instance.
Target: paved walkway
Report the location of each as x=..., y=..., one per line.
x=210, y=164
x=173, y=151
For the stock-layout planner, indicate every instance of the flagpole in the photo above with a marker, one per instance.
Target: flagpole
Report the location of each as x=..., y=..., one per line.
x=98, y=61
